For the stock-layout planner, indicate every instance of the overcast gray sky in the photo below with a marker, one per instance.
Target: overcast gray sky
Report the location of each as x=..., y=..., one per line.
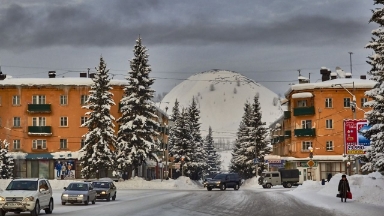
x=266, y=40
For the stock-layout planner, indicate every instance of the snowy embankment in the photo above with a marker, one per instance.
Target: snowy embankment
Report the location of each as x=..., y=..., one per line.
x=181, y=183
x=251, y=183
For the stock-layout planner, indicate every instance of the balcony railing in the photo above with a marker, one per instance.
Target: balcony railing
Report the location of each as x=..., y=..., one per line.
x=287, y=114
x=39, y=108
x=40, y=130
x=305, y=132
x=287, y=134
x=302, y=111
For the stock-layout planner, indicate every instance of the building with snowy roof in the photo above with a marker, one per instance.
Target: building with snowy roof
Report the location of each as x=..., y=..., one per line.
x=314, y=119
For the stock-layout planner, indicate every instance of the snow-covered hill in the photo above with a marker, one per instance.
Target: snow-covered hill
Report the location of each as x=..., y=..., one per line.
x=221, y=95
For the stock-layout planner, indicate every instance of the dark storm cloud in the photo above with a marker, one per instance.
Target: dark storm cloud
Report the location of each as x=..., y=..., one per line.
x=119, y=23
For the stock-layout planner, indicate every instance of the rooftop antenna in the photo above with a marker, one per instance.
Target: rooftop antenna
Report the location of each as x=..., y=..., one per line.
x=2, y=76
x=299, y=72
x=88, y=71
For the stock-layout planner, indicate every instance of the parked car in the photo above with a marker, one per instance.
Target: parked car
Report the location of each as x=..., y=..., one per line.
x=78, y=192
x=224, y=181
x=22, y=195
x=105, y=189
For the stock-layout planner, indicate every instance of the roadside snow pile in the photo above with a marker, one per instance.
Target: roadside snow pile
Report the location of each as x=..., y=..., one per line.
x=365, y=188
x=251, y=183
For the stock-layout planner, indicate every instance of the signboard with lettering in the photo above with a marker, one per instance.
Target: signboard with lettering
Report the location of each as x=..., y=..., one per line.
x=275, y=163
x=354, y=141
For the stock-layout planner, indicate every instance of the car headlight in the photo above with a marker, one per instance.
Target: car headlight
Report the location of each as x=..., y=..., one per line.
x=2, y=198
x=65, y=195
x=80, y=195
x=218, y=182
x=30, y=198
x=103, y=192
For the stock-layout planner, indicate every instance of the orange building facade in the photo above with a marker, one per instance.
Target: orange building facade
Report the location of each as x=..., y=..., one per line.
x=314, y=119
x=42, y=120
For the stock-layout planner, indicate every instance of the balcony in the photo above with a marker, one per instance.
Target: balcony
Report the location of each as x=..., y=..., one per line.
x=39, y=130
x=39, y=108
x=304, y=111
x=287, y=114
x=305, y=132
x=287, y=134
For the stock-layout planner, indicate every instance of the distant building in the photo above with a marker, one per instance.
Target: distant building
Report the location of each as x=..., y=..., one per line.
x=315, y=119
x=42, y=118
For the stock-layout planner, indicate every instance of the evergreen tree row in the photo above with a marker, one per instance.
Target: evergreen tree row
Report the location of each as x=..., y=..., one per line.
x=6, y=161
x=250, y=143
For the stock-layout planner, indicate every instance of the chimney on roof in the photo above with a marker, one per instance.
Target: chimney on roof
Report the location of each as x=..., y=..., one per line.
x=92, y=75
x=333, y=75
x=83, y=74
x=325, y=74
x=2, y=76
x=51, y=74
x=363, y=77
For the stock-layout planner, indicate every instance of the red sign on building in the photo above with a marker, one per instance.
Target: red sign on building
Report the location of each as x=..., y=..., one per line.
x=354, y=141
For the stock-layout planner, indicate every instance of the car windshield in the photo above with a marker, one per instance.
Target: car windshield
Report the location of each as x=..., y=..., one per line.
x=220, y=176
x=77, y=187
x=100, y=184
x=22, y=185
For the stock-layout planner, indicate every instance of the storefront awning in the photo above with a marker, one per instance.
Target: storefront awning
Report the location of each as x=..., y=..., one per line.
x=39, y=156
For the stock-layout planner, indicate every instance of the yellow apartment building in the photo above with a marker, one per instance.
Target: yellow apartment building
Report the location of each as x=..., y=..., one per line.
x=314, y=118
x=41, y=118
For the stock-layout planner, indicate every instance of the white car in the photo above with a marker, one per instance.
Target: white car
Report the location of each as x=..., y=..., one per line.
x=24, y=195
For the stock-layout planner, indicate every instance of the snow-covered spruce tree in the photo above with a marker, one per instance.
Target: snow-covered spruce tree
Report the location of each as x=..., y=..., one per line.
x=243, y=151
x=375, y=116
x=174, y=116
x=137, y=134
x=199, y=156
x=100, y=139
x=7, y=164
x=213, y=159
x=259, y=133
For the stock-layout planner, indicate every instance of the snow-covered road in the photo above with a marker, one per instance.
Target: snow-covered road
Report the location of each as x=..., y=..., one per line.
x=194, y=202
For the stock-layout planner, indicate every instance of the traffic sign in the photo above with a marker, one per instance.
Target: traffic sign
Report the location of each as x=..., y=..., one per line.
x=310, y=163
x=255, y=161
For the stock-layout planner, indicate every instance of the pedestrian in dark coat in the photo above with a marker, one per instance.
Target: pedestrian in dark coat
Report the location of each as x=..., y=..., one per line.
x=329, y=177
x=344, y=188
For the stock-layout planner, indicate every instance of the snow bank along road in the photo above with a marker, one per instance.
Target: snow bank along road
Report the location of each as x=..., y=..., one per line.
x=194, y=202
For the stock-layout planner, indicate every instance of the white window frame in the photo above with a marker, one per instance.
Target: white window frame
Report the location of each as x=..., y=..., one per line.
x=305, y=124
x=329, y=145
x=16, y=100
x=305, y=145
x=16, y=144
x=63, y=144
x=363, y=100
x=83, y=99
x=83, y=119
x=16, y=121
x=63, y=121
x=39, y=144
x=329, y=124
x=38, y=121
x=328, y=103
x=38, y=99
x=302, y=103
x=63, y=99
x=347, y=102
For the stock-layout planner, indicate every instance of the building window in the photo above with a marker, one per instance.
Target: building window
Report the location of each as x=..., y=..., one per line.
x=363, y=101
x=38, y=99
x=16, y=100
x=328, y=102
x=347, y=102
x=63, y=121
x=306, y=145
x=83, y=119
x=16, y=144
x=39, y=144
x=63, y=99
x=83, y=99
x=38, y=121
x=63, y=144
x=329, y=124
x=329, y=145
x=82, y=142
x=301, y=103
x=306, y=124
x=16, y=122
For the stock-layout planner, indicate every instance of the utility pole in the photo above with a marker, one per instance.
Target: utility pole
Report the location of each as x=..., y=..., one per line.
x=350, y=60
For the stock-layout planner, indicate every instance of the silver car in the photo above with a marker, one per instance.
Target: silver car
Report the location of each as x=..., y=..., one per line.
x=78, y=192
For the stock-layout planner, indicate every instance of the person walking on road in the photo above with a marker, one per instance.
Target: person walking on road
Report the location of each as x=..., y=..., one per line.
x=343, y=188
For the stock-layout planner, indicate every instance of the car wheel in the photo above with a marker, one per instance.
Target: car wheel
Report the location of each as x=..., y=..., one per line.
x=268, y=185
x=236, y=187
x=288, y=185
x=50, y=207
x=223, y=187
x=114, y=197
x=94, y=201
x=109, y=197
x=284, y=185
x=2, y=212
x=87, y=201
x=62, y=203
x=36, y=210
x=209, y=188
